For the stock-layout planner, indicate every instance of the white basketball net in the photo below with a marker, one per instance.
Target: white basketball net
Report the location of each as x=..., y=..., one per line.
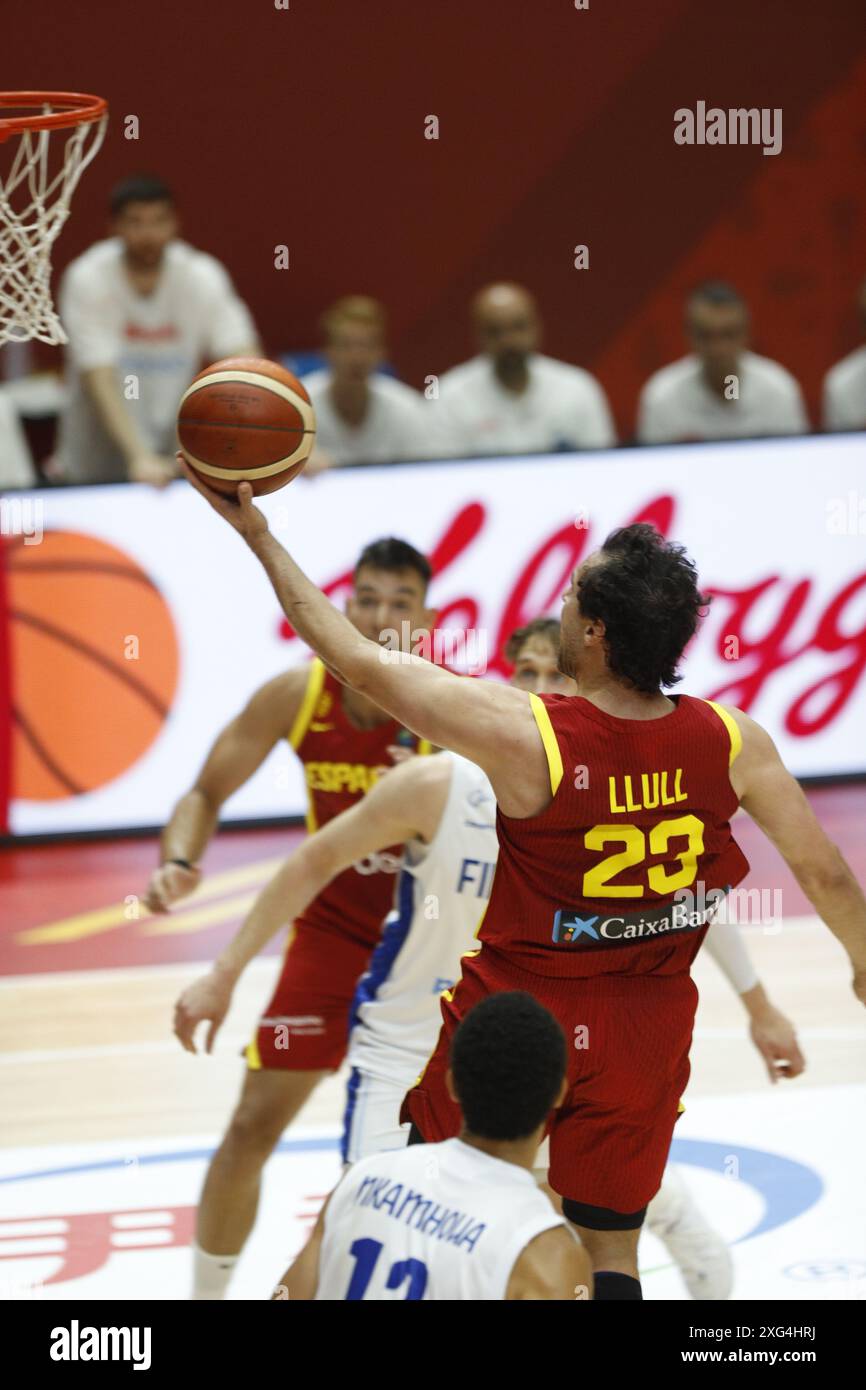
x=34, y=204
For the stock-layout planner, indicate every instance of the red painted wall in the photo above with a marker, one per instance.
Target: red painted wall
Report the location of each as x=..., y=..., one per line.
x=306, y=127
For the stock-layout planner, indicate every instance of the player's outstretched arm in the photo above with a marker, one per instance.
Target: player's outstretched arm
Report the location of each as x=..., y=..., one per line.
x=775, y=800
x=490, y=723
x=551, y=1267
x=406, y=804
x=237, y=753
x=771, y=1031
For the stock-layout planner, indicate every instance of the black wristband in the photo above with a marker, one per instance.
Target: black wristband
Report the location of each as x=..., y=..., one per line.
x=182, y=863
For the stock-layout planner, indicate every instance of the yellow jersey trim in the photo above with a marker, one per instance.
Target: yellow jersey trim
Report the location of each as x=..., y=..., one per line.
x=478, y=930
x=315, y=683
x=732, y=727
x=548, y=738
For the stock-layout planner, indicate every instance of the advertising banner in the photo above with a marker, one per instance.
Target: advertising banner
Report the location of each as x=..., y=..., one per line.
x=134, y=624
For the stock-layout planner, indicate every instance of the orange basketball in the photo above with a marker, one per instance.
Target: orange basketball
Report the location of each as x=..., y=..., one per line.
x=94, y=664
x=245, y=419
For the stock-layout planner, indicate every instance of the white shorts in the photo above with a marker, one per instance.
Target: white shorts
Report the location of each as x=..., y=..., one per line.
x=371, y=1123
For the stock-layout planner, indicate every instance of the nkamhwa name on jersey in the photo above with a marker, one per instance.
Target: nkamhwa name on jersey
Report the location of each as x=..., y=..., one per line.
x=595, y=932
x=419, y=1211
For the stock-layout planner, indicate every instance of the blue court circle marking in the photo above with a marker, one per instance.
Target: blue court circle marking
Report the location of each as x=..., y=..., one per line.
x=788, y=1188
x=173, y=1156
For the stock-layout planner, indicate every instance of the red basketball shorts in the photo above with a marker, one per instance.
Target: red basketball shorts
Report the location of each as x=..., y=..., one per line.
x=627, y=1040
x=305, y=1027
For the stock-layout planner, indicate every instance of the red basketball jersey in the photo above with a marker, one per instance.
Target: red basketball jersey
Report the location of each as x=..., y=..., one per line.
x=341, y=763
x=620, y=874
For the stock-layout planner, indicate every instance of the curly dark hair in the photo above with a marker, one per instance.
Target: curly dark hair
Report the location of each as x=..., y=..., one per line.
x=507, y=1061
x=645, y=591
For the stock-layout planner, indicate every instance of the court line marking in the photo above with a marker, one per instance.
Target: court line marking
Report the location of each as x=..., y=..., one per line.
x=175, y=923
x=102, y=919
x=843, y=1034
x=229, y=1041
x=97, y=1050
x=118, y=974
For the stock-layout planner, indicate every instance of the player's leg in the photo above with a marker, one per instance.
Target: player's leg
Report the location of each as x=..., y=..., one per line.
x=371, y=1125
x=612, y=1248
x=269, y=1101
x=609, y=1141
x=301, y=1037
x=697, y=1249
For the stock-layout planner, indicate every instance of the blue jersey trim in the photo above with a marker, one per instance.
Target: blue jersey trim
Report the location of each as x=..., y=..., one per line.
x=394, y=934
x=351, y=1098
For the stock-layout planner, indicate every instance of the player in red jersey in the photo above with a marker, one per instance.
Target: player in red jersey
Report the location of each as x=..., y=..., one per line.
x=343, y=740
x=613, y=824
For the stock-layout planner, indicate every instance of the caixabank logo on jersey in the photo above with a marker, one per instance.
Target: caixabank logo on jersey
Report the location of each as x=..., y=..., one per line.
x=596, y=931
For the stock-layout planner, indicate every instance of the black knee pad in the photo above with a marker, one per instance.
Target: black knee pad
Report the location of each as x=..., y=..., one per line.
x=601, y=1218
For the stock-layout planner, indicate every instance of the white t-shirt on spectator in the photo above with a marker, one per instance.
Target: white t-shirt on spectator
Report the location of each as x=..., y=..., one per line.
x=163, y=339
x=397, y=425
x=563, y=407
x=16, y=463
x=677, y=405
x=845, y=393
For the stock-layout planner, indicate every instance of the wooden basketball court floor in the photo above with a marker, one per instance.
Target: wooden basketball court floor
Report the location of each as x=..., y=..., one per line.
x=107, y=1123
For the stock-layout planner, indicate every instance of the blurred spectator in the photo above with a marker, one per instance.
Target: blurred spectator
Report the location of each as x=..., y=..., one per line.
x=361, y=415
x=845, y=386
x=144, y=312
x=511, y=399
x=16, y=464
x=689, y=399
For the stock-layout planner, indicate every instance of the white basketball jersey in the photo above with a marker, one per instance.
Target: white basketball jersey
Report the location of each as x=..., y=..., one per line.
x=433, y=1221
x=441, y=895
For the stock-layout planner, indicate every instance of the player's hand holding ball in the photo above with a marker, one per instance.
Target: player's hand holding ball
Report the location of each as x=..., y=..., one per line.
x=247, y=520
x=245, y=427
x=245, y=420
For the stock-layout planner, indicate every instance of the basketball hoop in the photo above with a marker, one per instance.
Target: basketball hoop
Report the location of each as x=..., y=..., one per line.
x=36, y=186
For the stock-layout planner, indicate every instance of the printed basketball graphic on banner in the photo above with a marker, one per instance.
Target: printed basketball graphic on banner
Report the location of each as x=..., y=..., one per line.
x=94, y=664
